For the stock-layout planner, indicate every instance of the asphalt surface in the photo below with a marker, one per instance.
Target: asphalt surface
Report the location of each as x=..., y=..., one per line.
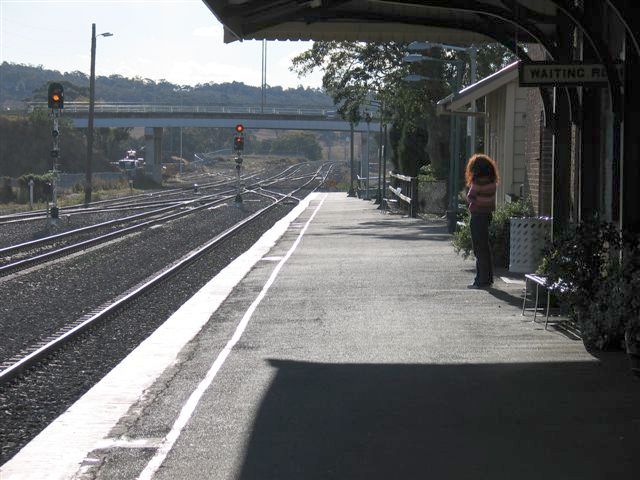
x=369, y=358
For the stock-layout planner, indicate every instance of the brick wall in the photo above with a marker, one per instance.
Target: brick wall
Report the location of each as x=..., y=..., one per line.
x=538, y=153
x=538, y=149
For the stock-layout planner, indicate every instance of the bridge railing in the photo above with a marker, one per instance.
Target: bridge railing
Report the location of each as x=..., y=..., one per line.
x=83, y=107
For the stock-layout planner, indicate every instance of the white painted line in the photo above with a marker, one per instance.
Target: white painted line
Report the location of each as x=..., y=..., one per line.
x=59, y=450
x=512, y=280
x=217, y=206
x=271, y=259
x=191, y=404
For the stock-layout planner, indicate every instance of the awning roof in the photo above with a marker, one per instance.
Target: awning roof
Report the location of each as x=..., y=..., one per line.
x=458, y=22
x=454, y=102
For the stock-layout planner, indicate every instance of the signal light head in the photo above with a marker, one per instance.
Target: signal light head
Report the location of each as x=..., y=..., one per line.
x=238, y=143
x=56, y=96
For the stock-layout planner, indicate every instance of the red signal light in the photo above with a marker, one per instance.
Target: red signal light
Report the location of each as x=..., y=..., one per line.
x=239, y=128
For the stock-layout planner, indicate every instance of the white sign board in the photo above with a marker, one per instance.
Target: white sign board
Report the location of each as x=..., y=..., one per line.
x=539, y=74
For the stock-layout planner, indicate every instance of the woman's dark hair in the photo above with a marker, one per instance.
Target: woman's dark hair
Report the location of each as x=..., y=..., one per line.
x=481, y=165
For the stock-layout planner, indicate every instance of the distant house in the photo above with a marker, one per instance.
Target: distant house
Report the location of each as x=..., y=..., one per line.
x=513, y=135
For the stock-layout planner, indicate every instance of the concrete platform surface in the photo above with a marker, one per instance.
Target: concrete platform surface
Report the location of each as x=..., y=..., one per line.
x=354, y=350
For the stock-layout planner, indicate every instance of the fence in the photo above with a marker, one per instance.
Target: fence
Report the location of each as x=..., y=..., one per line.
x=406, y=191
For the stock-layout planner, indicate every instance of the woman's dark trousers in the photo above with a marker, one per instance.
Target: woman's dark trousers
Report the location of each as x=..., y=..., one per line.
x=481, y=249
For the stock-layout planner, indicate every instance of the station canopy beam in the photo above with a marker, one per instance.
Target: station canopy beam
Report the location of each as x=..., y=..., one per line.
x=441, y=21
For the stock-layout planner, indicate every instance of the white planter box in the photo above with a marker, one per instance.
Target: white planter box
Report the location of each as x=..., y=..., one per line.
x=527, y=240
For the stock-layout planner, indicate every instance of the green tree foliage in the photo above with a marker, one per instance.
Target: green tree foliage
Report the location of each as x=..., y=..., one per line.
x=412, y=148
x=352, y=72
x=298, y=142
x=293, y=143
x=25, y=146
x=24, y=83
x=356, y=71
x=196, y=140
x=113, y=142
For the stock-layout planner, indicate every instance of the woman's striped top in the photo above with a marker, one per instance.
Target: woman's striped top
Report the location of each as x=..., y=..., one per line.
x=482, y=195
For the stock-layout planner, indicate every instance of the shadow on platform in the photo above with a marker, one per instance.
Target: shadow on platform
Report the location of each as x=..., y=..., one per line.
x=483, y=421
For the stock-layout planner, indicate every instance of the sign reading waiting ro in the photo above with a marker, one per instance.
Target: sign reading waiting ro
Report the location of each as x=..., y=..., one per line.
x=538, y=74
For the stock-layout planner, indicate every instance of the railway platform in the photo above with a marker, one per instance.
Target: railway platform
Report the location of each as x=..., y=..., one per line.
x=345, y=345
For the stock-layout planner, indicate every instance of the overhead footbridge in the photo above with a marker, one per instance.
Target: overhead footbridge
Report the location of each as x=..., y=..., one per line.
x=212, y=116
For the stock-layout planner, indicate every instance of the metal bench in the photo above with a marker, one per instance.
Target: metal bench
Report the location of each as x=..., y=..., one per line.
x=540, y=281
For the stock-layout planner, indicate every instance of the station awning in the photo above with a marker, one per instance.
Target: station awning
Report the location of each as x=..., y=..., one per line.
x=460, y=22
x=455, y=102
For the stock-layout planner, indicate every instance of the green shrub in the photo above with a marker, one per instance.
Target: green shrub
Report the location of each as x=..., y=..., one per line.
x=499, y=231
x=41, y=187
x=599, y=291
x=462, y=238
x=426, y=174
x=6, y=192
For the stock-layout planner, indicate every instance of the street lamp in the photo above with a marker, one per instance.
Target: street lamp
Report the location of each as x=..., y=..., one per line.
x=263, y=87
x=92, y=88
x=472, y=51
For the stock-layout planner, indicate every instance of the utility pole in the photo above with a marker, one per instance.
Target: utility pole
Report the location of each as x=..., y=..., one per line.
x=351, y=192
x=92, y=93
x=92, y=88
x=380, y=149
x=263, y=99
x=366, y=168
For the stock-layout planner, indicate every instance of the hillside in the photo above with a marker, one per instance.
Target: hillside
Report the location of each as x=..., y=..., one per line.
x=24, y=83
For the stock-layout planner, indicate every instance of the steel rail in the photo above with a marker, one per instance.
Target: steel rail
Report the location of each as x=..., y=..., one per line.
x=117, y=203
x=42, y=241
x=122, y=301
x=69, y=249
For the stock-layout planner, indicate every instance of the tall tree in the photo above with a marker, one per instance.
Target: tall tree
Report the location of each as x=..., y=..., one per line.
x=356, y=71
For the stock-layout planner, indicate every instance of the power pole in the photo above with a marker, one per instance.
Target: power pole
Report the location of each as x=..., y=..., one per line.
x=92, y=88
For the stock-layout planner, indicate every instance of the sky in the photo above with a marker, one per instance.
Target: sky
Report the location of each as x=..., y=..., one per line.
x=176, y=40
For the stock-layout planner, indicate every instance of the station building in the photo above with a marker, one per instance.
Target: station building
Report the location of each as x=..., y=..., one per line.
x=574, y=149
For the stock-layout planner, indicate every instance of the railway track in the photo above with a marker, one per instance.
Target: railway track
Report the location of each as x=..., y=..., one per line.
x=14, y=258
x=40, y=350
x=155, y=198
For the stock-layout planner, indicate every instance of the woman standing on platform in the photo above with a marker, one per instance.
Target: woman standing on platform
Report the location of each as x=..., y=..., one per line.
x=481, y=175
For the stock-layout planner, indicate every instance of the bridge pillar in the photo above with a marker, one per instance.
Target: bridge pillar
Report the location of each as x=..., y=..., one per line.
x=153, y=152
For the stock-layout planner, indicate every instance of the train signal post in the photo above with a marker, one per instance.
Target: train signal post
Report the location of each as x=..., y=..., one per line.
x=238, y=147
x=55, y=99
